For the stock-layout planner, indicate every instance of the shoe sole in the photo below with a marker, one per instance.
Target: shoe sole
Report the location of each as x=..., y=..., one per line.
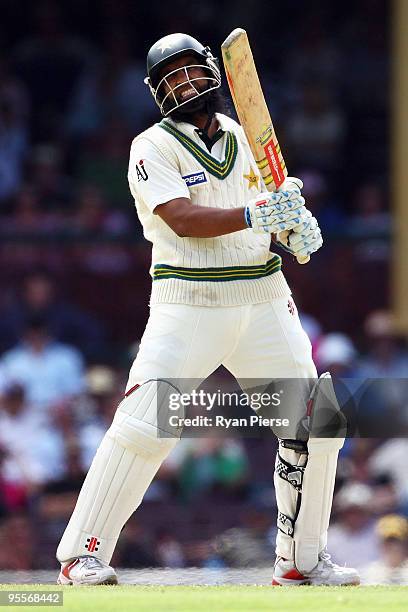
x=286, y=582
x=112, y=580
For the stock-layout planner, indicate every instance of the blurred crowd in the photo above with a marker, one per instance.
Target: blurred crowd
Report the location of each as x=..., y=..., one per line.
x=217, y=492
x=74, y=274
x=72, y=97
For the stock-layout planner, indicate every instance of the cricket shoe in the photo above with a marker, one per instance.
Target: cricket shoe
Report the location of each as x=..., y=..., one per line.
x=325, y=573
x=87, y=570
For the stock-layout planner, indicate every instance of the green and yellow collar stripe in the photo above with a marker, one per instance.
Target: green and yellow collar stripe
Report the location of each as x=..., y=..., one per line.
x=218, y=169
x=230, y=273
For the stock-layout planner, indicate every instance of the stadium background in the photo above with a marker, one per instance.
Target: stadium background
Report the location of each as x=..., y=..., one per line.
x=74, y=281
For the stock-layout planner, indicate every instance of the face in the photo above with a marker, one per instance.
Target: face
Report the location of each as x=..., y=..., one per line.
x=38, y=291
x=184, y=77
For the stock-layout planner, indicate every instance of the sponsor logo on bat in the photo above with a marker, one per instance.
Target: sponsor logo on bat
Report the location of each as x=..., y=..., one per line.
x=265, y=135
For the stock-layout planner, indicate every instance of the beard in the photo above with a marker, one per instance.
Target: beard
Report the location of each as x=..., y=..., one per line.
x=195, y=105
x=208, y=103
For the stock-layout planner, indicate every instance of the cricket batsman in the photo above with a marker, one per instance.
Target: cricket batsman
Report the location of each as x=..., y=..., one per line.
x=218, y=297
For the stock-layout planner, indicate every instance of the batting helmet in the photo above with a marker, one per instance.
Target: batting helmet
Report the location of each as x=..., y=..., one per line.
x=165, y=51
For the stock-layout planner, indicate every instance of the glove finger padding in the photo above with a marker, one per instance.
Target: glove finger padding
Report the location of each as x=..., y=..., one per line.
x=290, y=196
x=309, y=234
x=271, y=216
x=263, y=208
x=306, y=247
x=306, y=222
x=275, y=212
x=307, y=251
x=274, y=227
x=279, y=223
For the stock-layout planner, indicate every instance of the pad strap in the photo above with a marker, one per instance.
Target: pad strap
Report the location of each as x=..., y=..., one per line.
x=293, y=474
x=286, y=524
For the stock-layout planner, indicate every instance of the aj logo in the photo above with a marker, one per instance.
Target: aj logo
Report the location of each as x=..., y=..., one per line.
x=141, y=171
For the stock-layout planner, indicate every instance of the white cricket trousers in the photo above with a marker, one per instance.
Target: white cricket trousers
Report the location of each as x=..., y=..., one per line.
x=252, y=341
x=181, y=342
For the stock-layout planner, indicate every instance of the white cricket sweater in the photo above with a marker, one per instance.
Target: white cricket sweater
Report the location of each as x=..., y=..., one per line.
x=169, y=160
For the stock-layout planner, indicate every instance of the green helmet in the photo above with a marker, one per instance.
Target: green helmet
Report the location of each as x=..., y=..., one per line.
x=165, y=51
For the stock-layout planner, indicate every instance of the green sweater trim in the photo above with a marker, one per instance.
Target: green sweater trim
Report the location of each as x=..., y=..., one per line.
x=216, y=168
x=229, y=273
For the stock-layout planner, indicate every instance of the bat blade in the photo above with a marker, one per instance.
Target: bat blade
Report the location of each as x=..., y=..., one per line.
x=252, y=111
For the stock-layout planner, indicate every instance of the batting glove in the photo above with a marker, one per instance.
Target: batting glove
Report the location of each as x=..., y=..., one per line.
x=275, y=212
x=304, y=239
x=291, y=183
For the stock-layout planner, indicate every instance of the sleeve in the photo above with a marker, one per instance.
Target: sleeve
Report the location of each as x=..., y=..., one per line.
x=151, y=176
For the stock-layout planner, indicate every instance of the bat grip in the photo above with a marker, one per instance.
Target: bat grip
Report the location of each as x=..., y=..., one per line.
x=303, y=259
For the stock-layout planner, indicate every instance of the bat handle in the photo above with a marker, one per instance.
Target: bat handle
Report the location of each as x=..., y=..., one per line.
x=303, y=259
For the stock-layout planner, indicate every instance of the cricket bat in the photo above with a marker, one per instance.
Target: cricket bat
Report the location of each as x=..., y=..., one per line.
x=252, y=111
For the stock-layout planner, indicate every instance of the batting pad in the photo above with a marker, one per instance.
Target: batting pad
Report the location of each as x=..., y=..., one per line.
x=310, y=536
x=126, y=462
x=305, y=476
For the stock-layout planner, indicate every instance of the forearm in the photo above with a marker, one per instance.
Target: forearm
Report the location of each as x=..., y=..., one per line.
x=203, y=222
x=206, y=222
x=266, y=212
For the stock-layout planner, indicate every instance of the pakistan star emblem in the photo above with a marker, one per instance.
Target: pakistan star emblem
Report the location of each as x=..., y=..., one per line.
x=252, y=179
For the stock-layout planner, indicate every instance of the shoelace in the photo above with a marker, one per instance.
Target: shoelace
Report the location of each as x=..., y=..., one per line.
x=326, y=558
x=92, y=563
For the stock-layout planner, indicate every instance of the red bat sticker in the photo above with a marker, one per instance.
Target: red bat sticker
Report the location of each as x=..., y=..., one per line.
x=271, y=155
